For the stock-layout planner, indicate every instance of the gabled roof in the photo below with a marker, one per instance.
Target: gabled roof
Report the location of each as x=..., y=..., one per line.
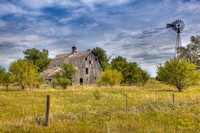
x=75, y=59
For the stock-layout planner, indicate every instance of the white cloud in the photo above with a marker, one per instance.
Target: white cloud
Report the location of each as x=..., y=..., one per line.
x=8, y=8
x=91, y=3
x=47, y=3
x=2, y=23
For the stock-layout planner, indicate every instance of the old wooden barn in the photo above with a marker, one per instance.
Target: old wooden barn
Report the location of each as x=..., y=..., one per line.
x=89, y=67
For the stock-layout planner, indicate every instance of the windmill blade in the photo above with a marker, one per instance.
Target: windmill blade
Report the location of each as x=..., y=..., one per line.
x=169, y=25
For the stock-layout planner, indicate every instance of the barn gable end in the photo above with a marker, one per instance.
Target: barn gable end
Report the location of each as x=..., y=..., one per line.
x=89, y=67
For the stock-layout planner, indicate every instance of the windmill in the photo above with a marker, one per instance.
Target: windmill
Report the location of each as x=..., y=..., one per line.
x=177, y=26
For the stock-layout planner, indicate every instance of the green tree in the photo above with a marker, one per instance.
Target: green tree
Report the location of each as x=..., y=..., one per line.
x=66, y=75
x=101, y=54
x=178, y=72
x=68, y=71
x=192, y=51
x=132, y=73
x=2, y=71
x=6, y=78
x=111, y=77
x=64, y=82
x=25, y=73
x=144, y=77
x=39, y=58
x=118, y=59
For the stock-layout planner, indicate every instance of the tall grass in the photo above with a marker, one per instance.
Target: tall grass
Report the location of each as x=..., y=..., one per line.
x=101, y=109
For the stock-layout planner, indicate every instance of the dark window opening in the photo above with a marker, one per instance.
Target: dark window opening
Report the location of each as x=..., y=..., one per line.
x=95, y=59
x=95, y=77
x=86, y=70
x=85, y=58
x=90, y=62
x=81, y=81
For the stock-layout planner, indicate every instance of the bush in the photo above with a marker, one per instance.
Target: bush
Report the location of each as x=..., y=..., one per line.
x=111, y=77
x=97, y=95
x=6, y=78
x=178, y=72
x=54, y=83
x=64, y=82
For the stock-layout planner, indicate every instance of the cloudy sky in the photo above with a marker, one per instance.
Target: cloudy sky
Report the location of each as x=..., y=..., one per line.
x=135, y=29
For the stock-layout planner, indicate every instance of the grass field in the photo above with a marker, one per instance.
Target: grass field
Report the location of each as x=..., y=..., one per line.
x=101, y=109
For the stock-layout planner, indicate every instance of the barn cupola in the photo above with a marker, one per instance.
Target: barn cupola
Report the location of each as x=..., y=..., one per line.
x=74, y=49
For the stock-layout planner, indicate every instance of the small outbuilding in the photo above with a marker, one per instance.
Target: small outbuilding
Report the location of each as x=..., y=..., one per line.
x=87, y=64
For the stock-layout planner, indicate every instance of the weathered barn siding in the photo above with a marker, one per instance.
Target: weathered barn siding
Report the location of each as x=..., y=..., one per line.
x=81, y=61
x=94, y=70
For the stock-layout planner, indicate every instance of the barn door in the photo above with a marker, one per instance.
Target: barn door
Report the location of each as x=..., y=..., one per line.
x=81, y=81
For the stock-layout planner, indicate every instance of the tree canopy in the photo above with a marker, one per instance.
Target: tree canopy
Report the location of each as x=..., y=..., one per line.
x=25, y=73
x=132, y=73
x=6, y=78
x=178, y=72
x=39, y=58
x=192, y=51
x=111, y=77
x=101, y=54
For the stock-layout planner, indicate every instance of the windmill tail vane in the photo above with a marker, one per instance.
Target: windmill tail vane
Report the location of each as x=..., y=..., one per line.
x=177, y=26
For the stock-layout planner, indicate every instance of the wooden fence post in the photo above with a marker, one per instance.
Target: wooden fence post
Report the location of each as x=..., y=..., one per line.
x=47, y=110
x=173, y=98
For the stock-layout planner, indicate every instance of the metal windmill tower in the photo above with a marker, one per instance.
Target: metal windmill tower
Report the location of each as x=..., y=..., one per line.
x=177, y=26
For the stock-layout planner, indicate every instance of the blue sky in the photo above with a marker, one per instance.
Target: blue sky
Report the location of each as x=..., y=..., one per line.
x=135, y=29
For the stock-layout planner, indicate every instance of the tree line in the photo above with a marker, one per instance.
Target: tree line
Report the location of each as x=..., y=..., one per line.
x=181, y=71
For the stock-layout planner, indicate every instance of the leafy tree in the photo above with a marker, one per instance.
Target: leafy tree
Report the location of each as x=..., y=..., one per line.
x=68, y=71
x=118, y=59
x=25, y=73
x=144, y=77
x=132, y=74
x=111, y=77
x=192, y=51
x=101, y=54
x=66, y=75
x=39, y=58
x=40, y=81
x=178, y=72
x=6, y=78
x=2, y=71
x=119, y=63
x=64, y=82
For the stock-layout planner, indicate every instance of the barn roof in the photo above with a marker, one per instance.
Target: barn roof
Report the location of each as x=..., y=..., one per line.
x=75, y=59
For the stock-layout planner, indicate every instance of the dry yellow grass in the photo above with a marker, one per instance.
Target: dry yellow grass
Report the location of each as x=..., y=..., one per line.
x=101, y=109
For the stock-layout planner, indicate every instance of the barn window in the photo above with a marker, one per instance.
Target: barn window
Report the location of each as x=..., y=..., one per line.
x=90, y=62
x=85, y=58
x=86, y=70
x=95, y=59
x=81, y=81
x=95, y=77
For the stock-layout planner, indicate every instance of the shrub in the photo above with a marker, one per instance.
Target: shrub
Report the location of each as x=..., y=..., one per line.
x=64, y=82
x=97, y=95
x=178, y=72
x=54, y=83
x=6, y=78
x=111, y=77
